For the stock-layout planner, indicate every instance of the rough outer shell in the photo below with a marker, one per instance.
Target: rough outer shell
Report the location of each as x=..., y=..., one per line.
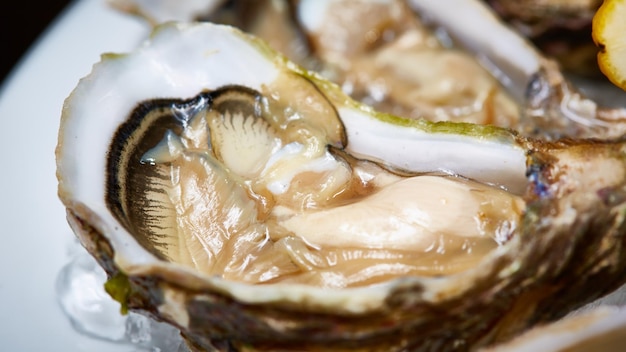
x=568, y=251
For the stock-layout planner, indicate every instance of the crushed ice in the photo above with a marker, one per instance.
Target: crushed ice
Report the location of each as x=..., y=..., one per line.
x=92, y=312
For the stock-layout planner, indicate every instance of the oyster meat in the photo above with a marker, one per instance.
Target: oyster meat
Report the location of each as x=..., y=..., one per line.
x=253, y=205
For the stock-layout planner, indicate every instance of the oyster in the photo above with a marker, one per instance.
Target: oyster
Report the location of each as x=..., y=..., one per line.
x=189, y=166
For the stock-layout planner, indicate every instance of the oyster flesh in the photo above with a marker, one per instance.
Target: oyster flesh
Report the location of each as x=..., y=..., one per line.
x=255, y=206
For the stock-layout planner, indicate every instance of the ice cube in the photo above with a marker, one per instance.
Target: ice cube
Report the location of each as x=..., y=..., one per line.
x=92, y=312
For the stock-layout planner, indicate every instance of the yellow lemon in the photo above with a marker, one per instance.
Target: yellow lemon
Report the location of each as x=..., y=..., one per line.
x=609, y=34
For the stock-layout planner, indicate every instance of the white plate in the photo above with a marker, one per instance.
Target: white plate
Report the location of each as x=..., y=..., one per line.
x=34, y=234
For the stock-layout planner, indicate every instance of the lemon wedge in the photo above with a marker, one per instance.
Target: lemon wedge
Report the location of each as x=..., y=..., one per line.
x=609, y=34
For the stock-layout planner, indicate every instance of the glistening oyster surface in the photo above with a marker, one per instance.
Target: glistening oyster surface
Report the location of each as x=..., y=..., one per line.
x=566, y=248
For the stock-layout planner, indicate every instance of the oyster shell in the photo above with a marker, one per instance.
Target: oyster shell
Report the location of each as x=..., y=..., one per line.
x=136, y=112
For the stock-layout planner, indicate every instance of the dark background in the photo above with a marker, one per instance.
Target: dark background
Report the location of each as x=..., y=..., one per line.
x=21, y=23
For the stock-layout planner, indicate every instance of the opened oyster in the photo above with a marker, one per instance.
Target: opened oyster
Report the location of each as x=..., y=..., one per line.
x=255, y=206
